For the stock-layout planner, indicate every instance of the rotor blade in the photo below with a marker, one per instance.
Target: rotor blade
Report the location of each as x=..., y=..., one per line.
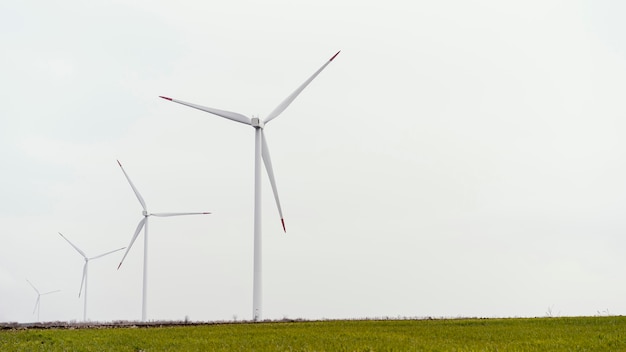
x=33, y=286
x=82, y=281
x=47, y=293
x=139, y=197
x=177, y=214
x=73, y=245
x=223, y=113
x=139, y=227
x=36, y=303
x=265, y=152
x=107, y=253
x=282, y=106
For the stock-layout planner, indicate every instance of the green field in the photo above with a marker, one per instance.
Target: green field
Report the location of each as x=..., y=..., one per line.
x=537, y=334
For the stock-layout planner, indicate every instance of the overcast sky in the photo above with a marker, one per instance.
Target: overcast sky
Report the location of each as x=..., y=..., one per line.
x=458, y=158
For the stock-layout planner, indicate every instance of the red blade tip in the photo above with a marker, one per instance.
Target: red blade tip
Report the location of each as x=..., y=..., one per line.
x=283, y=222
x=334, y=56
x=170, y=99
x=118, y=163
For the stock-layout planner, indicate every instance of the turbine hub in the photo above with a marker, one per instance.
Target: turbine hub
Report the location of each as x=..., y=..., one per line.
x=257, y=122
x=145, y=213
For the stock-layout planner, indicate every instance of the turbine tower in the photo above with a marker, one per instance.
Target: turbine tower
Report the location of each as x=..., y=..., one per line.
x=143, y=223
x=84, y=280
x=38, y=302
x=261, y=151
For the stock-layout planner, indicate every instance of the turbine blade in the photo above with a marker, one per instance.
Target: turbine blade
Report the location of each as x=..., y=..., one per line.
x=265, y=153
x=139, y=227
x=47, y=293
x=33, y=286
x=73, y=245
x=139, y=197
x=36, y=304
x=177, y=214
x=282, y=106
x=82, y=281
x=107, y=253
x=223, y=113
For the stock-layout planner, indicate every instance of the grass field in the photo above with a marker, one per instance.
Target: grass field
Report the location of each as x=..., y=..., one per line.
x=537, y=334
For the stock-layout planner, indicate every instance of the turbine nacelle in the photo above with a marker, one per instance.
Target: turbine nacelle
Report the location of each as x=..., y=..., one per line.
x=257, y=122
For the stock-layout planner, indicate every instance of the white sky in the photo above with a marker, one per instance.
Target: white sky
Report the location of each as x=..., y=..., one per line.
x=456, y=159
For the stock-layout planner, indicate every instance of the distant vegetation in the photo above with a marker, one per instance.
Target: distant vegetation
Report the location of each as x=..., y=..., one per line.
x=536, y=334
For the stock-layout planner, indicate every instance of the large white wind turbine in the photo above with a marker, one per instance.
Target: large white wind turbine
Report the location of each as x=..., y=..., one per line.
x=260, y=151
x=143, y=223
x=84, y=280
x=39, y=294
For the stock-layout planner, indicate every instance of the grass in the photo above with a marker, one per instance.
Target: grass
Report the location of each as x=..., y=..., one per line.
x=537, y=334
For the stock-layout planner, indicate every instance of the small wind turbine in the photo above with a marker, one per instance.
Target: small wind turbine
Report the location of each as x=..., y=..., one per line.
x=39, y=294
x=260, y=151
x=143, y=223
x=84, y=280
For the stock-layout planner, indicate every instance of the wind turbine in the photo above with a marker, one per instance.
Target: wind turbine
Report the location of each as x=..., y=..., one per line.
x=143, y=223
x=39, y=294
x=84, y=280
x=260, y=151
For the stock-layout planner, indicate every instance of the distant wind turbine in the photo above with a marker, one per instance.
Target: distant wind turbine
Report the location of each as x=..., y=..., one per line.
x=84, y=280
x=38, y=302
x=143, y=223
x=260, y=151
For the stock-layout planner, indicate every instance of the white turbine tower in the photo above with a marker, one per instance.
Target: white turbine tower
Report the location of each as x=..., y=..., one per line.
x=38, y=302
x=84, y=280
x=143, y=223
x=260, y=151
